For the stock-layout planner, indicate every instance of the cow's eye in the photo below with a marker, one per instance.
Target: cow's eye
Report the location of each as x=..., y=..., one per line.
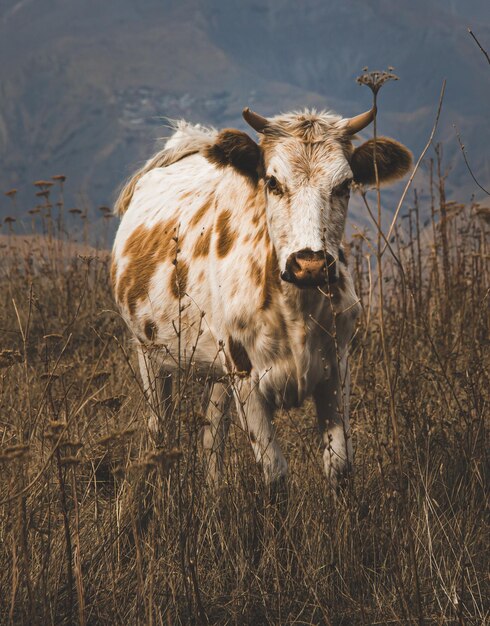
x=273, y=185
x=343, y=189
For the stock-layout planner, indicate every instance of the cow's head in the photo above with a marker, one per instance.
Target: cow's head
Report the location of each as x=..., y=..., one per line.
x=308, y=163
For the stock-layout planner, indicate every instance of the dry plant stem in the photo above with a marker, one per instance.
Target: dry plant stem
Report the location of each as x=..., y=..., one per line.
x=386, y=358
x=417, y=165
x=463, y=150
x=14, y=578
x=25, y=336
x=141, y=595
x=419, y=252
x=66, y=525
x=479, y=45
x=182, y=530
x=77, y=552
x=443, y=225
x=23, y=526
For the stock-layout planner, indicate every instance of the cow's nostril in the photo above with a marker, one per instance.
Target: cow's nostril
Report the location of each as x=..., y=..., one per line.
x=305, y=254
x=286, y=276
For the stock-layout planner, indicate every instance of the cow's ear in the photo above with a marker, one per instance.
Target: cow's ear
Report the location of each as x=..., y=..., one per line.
x=392, y=158
x=236, y=148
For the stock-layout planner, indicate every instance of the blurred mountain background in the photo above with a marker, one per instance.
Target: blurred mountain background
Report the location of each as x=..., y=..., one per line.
x=85, y=85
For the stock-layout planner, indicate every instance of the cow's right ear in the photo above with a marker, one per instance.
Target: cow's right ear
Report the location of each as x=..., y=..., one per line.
x=393, y=161
x=236, y=149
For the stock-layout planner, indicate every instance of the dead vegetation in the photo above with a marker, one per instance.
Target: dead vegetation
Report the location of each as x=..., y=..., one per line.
x=99, y=527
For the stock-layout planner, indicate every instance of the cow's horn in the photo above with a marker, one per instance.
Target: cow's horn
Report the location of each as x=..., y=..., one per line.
x=256, y=121
x=357, y=123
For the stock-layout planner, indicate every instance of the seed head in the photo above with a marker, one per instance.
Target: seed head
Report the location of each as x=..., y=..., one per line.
x=376, y=78
x=14, y=452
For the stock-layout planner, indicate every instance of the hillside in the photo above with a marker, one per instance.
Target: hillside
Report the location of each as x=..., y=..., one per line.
x=85, y=86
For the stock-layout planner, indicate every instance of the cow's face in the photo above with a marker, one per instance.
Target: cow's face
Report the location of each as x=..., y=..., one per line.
x=307, y=188
x=308, y=167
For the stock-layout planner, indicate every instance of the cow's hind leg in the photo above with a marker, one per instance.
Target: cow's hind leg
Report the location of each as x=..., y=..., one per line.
x=332, y=404
x=157, y=385
x=256, y=418
x=216, y=429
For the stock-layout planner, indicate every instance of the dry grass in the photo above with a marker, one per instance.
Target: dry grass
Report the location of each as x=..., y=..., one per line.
x=97, y=527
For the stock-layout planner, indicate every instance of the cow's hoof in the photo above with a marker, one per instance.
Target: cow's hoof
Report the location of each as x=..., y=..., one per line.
x=339, y=480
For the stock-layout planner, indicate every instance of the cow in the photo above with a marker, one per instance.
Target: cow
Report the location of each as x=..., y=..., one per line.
x=229, y=261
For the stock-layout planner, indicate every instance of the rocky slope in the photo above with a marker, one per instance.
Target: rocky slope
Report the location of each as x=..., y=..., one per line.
x=85, y=86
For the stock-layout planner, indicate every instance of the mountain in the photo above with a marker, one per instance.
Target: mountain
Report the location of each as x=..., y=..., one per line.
x=85, y=85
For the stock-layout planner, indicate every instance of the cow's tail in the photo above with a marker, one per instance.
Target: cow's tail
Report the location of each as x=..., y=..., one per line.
x=187, y=139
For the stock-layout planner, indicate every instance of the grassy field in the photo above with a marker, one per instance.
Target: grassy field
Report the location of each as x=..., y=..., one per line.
x=98, y=527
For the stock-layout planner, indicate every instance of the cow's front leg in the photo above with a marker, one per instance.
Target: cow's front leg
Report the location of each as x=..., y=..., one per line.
x=332, y=405
x=216, y=428
x=157, y=385
x=256, y=418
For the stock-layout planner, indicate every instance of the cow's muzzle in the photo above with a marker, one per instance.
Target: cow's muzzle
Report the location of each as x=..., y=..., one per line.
x=310, y=269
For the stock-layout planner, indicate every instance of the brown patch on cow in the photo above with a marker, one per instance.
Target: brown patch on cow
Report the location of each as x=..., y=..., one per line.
x=150, y=329
x=255, y=272
x=201, y=212
x=253, y=438
x=236, y=149
x=259, y=235
x=241, y=322
x=259, y=209
x=281, y=325
x=239, y=357
x=186, y=194
x=202, y=245
x=271, y=279
x=257, y=216
x=178, y=279
x=145, y=248
x=226, y=236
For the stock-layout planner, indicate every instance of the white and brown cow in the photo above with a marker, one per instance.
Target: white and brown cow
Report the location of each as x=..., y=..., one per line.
x=229, y=259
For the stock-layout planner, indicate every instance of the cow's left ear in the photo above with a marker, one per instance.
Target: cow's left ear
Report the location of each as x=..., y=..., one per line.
x=392, y=158
x=236, y=148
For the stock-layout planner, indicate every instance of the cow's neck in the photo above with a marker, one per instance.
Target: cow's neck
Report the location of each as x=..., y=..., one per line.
x=302, y=303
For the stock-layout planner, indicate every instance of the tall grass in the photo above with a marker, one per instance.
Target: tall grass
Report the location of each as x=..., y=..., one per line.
x=99, y=527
